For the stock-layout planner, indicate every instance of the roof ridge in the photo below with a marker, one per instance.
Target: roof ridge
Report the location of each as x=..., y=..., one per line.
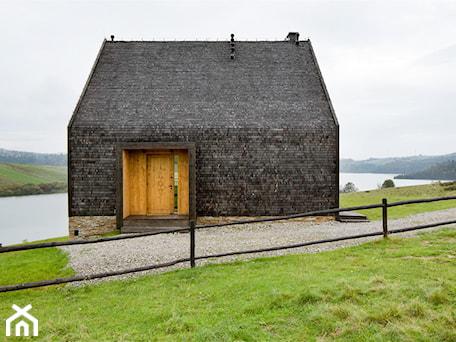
x=202, y=41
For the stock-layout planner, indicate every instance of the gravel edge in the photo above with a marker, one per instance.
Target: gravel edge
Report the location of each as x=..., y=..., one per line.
x=131, y=253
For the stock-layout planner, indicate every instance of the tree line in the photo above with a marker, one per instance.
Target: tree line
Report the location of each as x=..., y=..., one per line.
x=31, y=158
x=396, y=165
x=443, y=171
x=33, y=189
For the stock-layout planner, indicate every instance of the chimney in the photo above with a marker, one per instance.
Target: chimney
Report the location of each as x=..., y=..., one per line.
x=293, y=37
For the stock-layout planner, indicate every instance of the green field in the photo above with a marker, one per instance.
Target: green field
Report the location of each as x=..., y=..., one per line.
x=401, y=194
x=389, y=290
x=21, y=179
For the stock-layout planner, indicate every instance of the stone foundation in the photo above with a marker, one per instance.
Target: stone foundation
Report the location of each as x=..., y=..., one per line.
x=83, y=227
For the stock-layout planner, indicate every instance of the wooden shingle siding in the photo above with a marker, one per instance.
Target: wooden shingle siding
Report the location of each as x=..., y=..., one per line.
x=264, y=130
x=242, y=172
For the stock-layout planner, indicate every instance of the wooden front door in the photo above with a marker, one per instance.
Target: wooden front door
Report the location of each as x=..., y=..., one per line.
x=151, y=179
x=160, y=184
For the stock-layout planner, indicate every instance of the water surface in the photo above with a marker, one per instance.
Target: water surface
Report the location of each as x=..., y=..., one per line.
x=372, y=181
x=31, y=218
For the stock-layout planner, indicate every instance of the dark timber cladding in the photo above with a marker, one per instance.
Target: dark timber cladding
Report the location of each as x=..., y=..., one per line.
x=255, y=116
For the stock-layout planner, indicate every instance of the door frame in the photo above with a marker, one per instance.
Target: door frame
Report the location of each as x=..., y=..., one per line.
x=191, y=150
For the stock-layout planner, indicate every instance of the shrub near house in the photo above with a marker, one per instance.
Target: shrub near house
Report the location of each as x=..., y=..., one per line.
x=388, y=184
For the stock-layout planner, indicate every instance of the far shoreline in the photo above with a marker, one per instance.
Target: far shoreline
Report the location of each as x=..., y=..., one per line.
x=34, y=189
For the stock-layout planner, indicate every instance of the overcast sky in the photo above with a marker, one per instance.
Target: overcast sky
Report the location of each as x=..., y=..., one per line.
x=389, y=66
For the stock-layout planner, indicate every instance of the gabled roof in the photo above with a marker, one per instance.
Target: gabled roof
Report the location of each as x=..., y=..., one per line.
x=196, y=84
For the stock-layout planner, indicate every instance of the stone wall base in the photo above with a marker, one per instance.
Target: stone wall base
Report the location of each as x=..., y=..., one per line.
x=83, y=227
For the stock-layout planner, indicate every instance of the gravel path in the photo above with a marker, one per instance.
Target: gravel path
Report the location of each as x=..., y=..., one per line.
x=124, y=254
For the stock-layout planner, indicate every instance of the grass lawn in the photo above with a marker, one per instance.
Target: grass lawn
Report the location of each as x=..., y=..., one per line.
x=389, y=290
x=31, y=174
x=401, y=194
x=21, y=179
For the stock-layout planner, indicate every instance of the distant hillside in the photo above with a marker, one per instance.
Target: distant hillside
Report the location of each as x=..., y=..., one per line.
x=31, y=158
x=20, y=179
x=401, y=165
x=443, y=171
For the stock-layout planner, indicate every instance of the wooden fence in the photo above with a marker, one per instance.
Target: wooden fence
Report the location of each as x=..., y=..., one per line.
x=192, y=230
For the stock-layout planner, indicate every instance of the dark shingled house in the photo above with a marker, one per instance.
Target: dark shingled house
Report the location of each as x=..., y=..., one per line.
x=169, y=131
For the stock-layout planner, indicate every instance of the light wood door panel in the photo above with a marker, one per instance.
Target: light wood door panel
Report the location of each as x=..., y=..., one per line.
x=160, y=184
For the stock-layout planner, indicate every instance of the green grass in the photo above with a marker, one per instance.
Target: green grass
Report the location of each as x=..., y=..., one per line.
x=389, y=290
x=21, y=179
x=34, y=265
x=31, y=174
x=401, y=194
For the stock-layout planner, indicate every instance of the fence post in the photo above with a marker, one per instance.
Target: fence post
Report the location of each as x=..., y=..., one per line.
x=192, y=243
x=385, y=217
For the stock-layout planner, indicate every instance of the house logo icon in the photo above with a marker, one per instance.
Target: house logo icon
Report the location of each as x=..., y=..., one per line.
x=22, y=325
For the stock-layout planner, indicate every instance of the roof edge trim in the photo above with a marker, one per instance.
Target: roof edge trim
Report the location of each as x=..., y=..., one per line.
x=84, y=90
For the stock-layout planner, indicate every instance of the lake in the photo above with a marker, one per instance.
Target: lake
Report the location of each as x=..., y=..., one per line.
x=372, y=181
x=31, y=218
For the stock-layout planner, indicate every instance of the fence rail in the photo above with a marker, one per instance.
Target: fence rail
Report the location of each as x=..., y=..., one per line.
x=192, y=229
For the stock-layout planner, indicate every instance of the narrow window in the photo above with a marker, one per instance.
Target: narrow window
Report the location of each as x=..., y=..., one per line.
x=176, y=183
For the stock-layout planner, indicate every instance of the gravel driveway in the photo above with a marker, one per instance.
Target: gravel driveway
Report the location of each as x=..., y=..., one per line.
x=124, y=254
